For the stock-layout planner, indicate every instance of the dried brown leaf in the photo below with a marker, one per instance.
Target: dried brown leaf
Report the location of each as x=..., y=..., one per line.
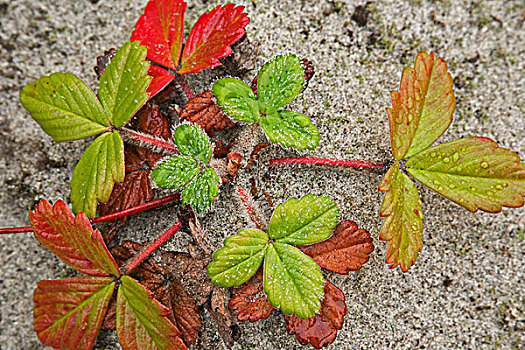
x=249, y=302
x=346, y=250
x=204, y=111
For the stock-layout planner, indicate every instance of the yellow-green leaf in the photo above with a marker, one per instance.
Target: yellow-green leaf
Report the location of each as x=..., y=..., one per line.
x=473, y=172
x=64, y=107
x=422, y=109
x=403, y=225
x=100, y=166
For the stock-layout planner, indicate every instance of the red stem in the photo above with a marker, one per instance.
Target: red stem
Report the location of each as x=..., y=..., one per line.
x=153, y=142
x=325, y=161
x=133, y=210
x=246, y=201
x=151, y=248
x=185, y=87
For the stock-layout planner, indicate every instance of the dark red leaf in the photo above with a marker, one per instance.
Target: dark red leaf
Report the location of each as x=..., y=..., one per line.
x=160, y=29
x=204, y=111
x=249, y=302
x=211, y=37
x=161, y=78
x=150, y=120
x=320, y=330
x=346, y=250
x=102, y=61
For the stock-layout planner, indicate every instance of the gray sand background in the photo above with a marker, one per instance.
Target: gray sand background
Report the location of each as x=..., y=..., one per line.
x=466, y=290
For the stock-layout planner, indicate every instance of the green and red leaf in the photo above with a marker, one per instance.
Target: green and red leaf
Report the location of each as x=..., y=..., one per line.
x=72, y=239
x=142, y=322
x=403, y=225
x=422, y=109
x=321, y=329
x=211, y=37
x=68, y=313
x=474, y=172
x=346, y=250
x=249, y=302
x=161, y=30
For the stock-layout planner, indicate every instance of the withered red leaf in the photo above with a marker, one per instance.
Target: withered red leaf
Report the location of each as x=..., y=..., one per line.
x=102, y=61
x=346, y=250
x=204, y=111
x=321, y=329
x=249, y=302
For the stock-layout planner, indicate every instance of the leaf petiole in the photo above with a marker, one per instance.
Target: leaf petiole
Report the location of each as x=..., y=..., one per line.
x=148, y=141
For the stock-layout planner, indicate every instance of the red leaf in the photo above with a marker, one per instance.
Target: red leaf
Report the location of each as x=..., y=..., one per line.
x=211, y=37
x=72, y=239
x=320, y=330
x=161, y=78
x=160, y=29
x=204, y=111
x=249, y=301
x=346, y=250
x=68, y=313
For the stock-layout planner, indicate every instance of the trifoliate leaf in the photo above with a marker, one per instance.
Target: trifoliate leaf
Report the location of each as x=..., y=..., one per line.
x=239, y=259
x=304, y=221
x=291, y=129
x=473, y=172
x=422, y=109
x=192, y=141
x=175, y=172
x=321, y=329
x=203, y=111
x=64, y=106
x=141, y=320
x=292, y=280
x=122, y=87
x=346, y=250
x=211, y=37
x=161, y=30
x=68, y=313
x=236, y=99
x=201, y=192
x=72, y=239
x=279, y=81
x=403, y=226
x=100, y=166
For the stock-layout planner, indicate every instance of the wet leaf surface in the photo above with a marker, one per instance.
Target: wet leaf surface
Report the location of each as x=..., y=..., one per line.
x=249, y=302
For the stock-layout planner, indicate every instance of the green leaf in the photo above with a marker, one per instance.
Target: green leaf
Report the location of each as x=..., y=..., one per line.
x=422, y=109
x=239, y=259
x=175, y=172
x=64, y=107
x=279, y=81
x=473, y=172
x=141, y=320
x=201, y=192
x=72, y=239
x=236, y=99
x=403, y=226
x=122, y=87
x=307, y=220
x=291, y=129
x=292, y=280
x=192, y=141
x=100, y=166
x=68, y=313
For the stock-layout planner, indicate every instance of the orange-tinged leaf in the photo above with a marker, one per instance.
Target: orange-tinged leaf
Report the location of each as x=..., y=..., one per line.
x=474, y=172
x=141, y=320
x=249, y=302
x=205, y=112
x=422, y=109
x=346, y=250
x=160, y=29
x=211, y=37
x=321, y=329
x=68, y=313
x=403, y=225
x=72, y=239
